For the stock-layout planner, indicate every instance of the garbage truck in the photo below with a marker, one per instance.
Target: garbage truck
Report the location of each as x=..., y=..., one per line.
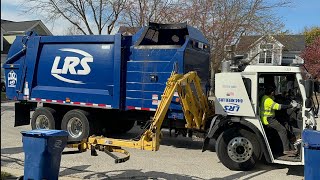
x=100, y=84
x=61, y=73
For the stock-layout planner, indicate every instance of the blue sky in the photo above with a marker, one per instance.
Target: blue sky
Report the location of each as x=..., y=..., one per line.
x=300, y=14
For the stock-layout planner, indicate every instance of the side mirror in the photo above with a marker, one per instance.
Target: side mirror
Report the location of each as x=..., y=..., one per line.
x=317, y=86
x=308, y=85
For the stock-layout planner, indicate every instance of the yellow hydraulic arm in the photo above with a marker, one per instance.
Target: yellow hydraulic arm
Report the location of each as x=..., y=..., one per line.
x=194, y=104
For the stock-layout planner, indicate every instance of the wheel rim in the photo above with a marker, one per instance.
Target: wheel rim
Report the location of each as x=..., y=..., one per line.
x=240, y=149
x=42, y=122
x=74, y=127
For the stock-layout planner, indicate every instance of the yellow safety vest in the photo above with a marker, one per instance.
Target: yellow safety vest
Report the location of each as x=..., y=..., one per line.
x=267, y=107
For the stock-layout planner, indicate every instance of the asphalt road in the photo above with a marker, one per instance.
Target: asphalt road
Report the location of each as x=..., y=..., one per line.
x=178, y=158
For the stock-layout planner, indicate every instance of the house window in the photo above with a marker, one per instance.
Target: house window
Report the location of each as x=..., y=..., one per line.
x=266, y=54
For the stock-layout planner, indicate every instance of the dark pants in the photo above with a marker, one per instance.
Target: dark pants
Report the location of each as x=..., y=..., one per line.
x=273, y=123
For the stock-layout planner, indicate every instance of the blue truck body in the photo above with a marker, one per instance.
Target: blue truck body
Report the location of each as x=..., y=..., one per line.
x=105, y=71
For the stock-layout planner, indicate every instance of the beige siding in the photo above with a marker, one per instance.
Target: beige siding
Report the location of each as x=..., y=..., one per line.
x=276, y=52
x=39, y=30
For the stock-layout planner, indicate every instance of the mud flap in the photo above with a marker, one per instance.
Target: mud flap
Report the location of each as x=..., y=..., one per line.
x=209, y=134
x=22, y=114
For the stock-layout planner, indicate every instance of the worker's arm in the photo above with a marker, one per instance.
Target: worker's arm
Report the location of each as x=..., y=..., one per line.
x=283, y=106
x=277, y=106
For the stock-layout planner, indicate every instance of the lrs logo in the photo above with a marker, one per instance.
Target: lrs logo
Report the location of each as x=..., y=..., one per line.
x=232, y=108
x=70, y=62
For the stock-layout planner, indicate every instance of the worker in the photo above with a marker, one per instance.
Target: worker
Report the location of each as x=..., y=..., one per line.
x=267, y=114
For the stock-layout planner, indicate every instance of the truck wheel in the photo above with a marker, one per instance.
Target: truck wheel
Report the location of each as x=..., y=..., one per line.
x=76, y=123
x=43, y=118
x=238, y=149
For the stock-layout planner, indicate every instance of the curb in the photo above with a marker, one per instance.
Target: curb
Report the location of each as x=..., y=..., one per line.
x=7, y=102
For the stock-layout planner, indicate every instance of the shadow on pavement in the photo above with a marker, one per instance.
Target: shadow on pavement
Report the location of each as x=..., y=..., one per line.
x=139, y=174
x=294, y=170
x=8, y=160
x=12, y=150
x=73, y=170
x=186, y=143
x=71, y=152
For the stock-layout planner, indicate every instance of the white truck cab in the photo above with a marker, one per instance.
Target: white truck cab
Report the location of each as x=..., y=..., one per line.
x=241, y=138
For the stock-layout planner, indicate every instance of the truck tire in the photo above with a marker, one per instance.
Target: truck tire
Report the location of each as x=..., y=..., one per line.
x=76, y=123
x=238, y=149
x=43, y=118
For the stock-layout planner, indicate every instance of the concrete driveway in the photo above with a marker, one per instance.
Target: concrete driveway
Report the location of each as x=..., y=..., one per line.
x=178, y=158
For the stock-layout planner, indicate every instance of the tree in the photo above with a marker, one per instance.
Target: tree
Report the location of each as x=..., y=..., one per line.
x=88, y=16
x=311, y=55
x=311, y=34
x=138, y=13
x=224, y=22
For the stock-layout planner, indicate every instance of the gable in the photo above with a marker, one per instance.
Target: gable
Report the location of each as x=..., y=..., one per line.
x=22, y=27
x=289, y=42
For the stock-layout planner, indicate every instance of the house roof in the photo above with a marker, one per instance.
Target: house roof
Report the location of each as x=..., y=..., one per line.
x=12, y=27
x=290, y=42
x=124, y=30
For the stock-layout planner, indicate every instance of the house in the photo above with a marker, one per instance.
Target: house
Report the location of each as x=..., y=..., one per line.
x=271, y=49
x=11, y=29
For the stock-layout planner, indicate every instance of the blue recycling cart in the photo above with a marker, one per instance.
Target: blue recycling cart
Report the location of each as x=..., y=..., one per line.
x=311, y=140
x=43, y=149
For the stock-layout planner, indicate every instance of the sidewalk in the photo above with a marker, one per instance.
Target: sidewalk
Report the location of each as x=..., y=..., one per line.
x=16, y=173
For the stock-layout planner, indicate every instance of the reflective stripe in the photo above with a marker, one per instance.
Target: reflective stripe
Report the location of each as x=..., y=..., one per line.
x=273, y=104
x=267, y=110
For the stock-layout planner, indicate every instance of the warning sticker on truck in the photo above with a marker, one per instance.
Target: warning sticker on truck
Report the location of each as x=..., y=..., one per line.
x=12, y=79
x=155, y=96
x=155, y=102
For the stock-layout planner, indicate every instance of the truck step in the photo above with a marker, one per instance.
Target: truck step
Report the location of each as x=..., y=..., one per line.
x=293, y=158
